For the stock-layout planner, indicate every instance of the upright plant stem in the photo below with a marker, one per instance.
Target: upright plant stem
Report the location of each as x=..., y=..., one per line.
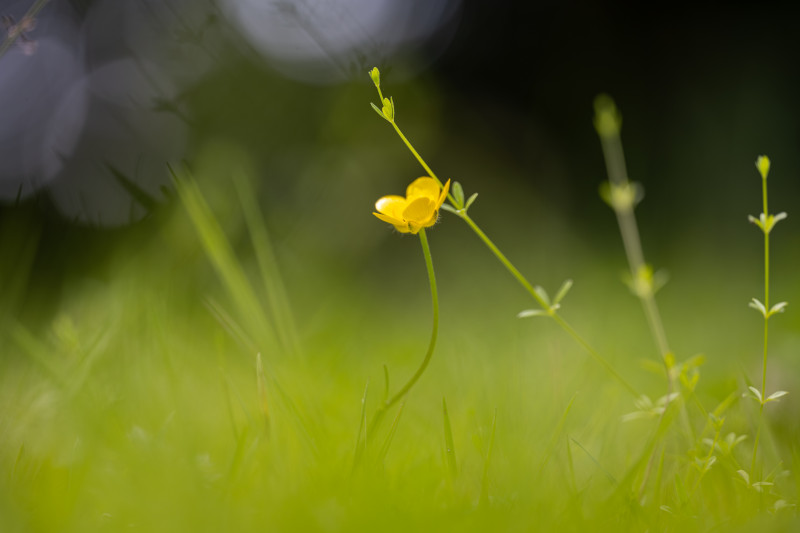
x=766, y=330
x=431, y=345
x=607, y=123
x=618, y=177
x=516, y=273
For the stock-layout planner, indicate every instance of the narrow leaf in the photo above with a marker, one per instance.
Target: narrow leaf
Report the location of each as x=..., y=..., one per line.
x=775, y=395
x=458, y=193
x=758, y=306
x=542, y=294
x=562, y=292
x=377, y=110
x=778, y=308
x=390, y=436
x=531, y=312
x=756, y=393
x=471, y=200
x=745, y=476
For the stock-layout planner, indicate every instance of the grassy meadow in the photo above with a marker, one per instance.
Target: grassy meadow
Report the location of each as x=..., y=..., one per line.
x=218, y=364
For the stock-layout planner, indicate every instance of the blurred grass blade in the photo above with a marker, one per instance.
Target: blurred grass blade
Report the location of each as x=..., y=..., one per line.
x=225, y=263
x=231, y=326
x=362, y=428
x=385, y=383
x=596, y=462
x=20, y=232
x=268, y=265
x=484, y=498
x=37, y=352
x=263, y=401
x=556, y=434
x=141, y=196
x=390, y=436
x=450, y=449
x=238, y=455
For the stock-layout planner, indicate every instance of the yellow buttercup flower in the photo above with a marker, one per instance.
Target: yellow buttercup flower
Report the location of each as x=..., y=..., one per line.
x=419, y=209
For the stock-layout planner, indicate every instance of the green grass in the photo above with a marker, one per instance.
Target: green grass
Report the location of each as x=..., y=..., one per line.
x=138, y=400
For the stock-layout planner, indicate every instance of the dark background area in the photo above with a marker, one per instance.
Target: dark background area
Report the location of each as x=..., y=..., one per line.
x=501, y=98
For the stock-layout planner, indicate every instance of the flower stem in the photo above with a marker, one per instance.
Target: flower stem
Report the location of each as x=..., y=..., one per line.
x=516, y=273
x=431, y=345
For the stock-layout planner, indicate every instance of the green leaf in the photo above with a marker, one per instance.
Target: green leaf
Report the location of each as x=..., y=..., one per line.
x=542, y=294
x=756, y=394
x=758, y=306
x=745, y=476
x=534, y=312
x=450, y=208
x=458, y=193
x=377, y=110
x=775, y=396
x=777, y=308
x=757, y=221
x=471, y=200
x=565, y=287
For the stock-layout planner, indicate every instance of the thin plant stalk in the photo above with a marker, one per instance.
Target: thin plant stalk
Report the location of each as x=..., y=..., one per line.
x=766, y=222
x=622, y=196
x=387, y=404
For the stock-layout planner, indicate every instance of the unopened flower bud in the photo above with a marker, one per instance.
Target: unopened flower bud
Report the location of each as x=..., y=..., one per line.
x=375, y=74
x=762, y=164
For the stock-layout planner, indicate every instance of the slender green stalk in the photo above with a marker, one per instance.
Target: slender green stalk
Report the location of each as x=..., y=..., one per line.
x=767, y=221
x=622, y=197
x=431, y=345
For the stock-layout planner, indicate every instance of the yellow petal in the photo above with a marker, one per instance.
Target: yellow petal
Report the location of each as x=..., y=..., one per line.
x=443, y=195
x=391, y=205
x=387, y=218
x=431, y=221
x=423, y=187
x=419, y=211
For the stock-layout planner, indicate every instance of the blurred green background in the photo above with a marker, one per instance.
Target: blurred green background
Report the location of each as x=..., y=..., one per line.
x=129, y=389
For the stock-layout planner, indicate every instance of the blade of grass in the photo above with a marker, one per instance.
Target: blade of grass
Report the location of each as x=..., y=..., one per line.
x=390, y=436
x=225, y=263
x=37, y=352
x=556, y=434
x=268, y=265
x=263, y=401
x=596, y=462
x=362, y=429
x=141, y=196
x=450, y=449
x=484, y=498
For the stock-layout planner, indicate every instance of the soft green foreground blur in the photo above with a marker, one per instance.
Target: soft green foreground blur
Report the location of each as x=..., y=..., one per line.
x=131, y=397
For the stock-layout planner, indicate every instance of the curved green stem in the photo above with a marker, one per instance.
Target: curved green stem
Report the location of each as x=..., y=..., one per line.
x=431, y=345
